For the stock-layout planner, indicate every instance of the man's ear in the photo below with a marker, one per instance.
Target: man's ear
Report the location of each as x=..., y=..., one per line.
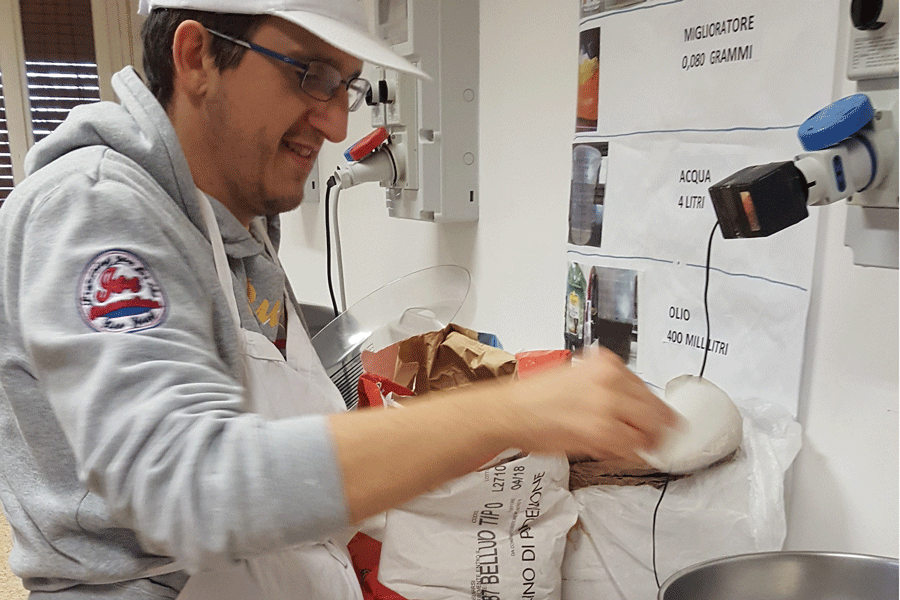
x=193, y=62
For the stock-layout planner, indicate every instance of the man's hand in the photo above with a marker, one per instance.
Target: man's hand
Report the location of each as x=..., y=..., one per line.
x=596, y=408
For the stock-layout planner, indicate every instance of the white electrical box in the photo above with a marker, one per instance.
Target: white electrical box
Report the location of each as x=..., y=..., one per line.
x=435, y=121
x=873, y=226
x=873, y=48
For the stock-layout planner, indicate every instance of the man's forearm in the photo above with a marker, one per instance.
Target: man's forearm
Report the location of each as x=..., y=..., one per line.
x=389, y=456
x=597, y=409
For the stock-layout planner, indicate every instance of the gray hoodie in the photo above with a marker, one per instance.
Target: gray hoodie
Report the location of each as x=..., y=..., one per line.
x=124, y=445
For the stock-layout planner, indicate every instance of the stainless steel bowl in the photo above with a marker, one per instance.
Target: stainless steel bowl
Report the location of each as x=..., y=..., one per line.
x=786, y=576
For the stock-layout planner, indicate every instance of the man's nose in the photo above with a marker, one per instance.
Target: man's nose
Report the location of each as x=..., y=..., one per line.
x=330, y=119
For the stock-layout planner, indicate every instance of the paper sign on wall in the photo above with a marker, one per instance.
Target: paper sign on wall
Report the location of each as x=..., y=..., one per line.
x=674, y=96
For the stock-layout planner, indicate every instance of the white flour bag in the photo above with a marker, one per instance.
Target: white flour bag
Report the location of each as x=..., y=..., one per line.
x=496, y=534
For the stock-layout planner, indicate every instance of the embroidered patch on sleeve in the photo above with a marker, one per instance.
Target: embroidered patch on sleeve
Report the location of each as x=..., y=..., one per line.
x=118, y=293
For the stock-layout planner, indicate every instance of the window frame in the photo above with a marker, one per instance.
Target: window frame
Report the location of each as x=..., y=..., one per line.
x=120, y=45
x=12, y=67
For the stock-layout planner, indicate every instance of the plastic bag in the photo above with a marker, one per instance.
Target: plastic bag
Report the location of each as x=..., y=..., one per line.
x=733, y=508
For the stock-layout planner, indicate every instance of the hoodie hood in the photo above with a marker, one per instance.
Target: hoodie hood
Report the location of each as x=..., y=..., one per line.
x=138, y=129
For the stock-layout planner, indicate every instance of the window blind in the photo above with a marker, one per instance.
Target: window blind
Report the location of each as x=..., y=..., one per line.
x=59, y=59
x=55, y=88
x=6, y=174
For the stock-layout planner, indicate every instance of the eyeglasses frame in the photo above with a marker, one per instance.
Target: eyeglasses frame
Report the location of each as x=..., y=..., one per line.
x=303, y=68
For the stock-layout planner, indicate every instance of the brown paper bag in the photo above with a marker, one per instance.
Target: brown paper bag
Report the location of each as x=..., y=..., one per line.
x=440, y=360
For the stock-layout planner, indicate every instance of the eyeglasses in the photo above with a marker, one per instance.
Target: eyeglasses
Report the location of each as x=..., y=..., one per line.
x=319, y=80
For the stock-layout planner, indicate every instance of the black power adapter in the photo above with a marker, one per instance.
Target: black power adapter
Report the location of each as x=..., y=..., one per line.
x=760, y=200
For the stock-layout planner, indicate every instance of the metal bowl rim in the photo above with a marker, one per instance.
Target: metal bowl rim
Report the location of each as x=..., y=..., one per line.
x=751, y=556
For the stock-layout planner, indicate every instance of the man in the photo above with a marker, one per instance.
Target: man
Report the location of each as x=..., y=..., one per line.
x=148, y=340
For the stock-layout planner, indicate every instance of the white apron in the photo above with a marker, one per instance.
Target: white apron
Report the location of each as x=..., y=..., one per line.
x=278, y=388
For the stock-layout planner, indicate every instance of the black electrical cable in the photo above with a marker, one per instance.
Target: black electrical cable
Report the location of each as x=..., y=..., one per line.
x=702, y=369
x=706, y=296
x=655, y=511
x=330, y=184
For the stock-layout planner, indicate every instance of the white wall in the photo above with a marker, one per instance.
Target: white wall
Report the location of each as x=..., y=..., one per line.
x=844, y=493
x=516, y=251
x=845, y=479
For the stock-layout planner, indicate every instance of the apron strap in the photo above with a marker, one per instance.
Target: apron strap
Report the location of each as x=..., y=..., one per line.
x=293, y=321
x=222, y=268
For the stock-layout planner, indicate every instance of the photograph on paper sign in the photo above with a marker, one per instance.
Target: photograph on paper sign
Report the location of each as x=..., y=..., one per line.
x=588, y=80
x=593, y=7
x=589, y=168
x=601, y=308
x=612, y=305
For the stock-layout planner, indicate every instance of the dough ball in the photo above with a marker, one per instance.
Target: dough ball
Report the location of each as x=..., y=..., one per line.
x=710, y=428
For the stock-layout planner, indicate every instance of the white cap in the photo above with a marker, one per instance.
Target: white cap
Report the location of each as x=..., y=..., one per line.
x=341, y=23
